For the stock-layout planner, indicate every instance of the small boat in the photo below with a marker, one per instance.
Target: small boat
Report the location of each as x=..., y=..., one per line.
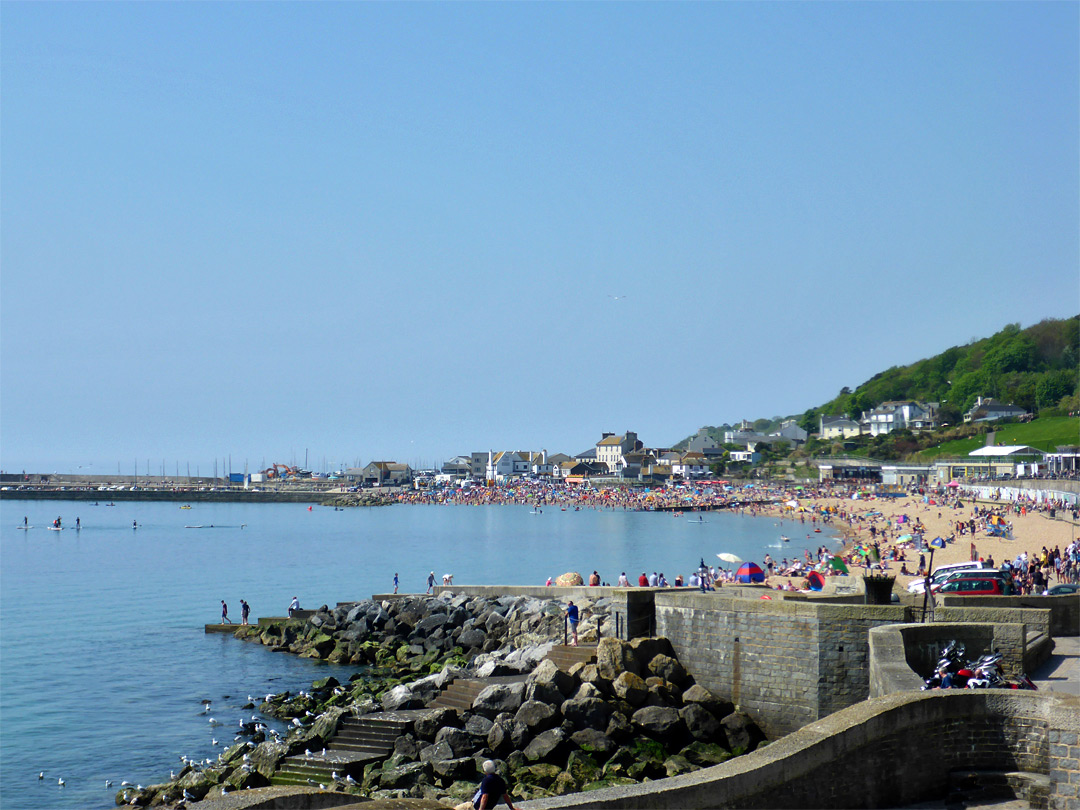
x=186, y=506
x=785, y=538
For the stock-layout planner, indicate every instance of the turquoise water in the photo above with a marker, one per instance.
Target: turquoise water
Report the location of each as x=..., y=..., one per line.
x=103, y=660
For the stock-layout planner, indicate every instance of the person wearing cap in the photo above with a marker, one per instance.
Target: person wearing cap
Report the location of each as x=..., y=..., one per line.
x=430, y=581
x=492, y=789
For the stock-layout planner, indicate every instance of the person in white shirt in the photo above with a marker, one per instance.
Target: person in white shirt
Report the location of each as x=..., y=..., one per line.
x=623, y=581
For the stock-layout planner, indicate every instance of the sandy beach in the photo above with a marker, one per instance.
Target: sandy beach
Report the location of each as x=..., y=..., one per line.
x=1030, y=532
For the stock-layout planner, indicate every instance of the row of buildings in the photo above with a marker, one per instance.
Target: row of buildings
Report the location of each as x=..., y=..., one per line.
x=911, y=415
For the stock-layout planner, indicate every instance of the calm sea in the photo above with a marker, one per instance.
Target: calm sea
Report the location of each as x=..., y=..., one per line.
x=103, y=659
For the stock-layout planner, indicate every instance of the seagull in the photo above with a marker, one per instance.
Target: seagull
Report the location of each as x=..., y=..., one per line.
x=617, y=297
x=108, y=784
x=41, y=775
x=125, y=783
x=60, y=781
x=188, y=795
x=349, y=780
x=172, y=775
x=213, y=741
x=335, y=775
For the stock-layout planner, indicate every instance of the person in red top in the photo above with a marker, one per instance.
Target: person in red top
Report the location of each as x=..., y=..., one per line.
x=643, y=580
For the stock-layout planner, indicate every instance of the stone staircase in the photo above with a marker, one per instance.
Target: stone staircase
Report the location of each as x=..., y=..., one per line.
x=358, y=740
x=566, y=655
x=460, y=693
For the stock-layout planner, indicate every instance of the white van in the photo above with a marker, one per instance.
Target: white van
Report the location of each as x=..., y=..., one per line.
x=940, y=573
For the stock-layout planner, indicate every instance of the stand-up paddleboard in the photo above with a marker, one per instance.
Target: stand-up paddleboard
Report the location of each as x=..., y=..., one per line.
x=56, y=528
x=24, y=528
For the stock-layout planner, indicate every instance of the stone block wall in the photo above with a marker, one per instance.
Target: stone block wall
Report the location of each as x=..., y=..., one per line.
x=786, y=663
x=1064, y=617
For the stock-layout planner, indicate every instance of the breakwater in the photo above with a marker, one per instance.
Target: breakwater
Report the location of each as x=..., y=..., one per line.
x=327, y=498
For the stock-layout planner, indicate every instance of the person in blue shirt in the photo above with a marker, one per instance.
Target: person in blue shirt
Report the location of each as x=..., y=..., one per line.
x=572, y=615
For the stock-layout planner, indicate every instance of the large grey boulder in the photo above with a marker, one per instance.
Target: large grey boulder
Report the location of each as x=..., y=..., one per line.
x=472, y=637
x=438, y=751
x=700, y=722
x=666, y=667
x=499, y=697
x=703, y=697
x=507, y=734
x=646, y=649
x=401, y=697
x=593, y=742
x=547, y=672
x=546, y=745
x=589, y=712
x=741, y=732
x=452, y=770
x=478, y=726
x=544, y=693
x=588, y=690
x=660, y=722
x=614, y=657
x=431, y=622
x=631, y=688
x=537, y=716
x=461, y=743
x=429, y=724
x=405, y=776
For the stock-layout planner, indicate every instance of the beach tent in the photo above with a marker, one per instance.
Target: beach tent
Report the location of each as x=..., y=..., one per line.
x=815, y=580
x=952, y=484
x=937, y=542
x=749, y=572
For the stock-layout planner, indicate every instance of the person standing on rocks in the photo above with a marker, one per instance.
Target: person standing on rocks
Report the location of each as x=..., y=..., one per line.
x=572, y=617
x=225, y=613
x=492, y=789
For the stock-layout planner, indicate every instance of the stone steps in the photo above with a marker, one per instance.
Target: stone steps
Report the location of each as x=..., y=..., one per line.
x=358, y=740
x=460, y=693
x=565, y=656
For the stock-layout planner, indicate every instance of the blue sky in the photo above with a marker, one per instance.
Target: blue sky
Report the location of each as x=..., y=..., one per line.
x=364, y=230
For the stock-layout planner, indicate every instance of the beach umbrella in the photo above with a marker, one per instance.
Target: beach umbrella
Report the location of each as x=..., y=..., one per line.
x=731, y=558
x=952, y=484
x=837, y=564
x=750, y=572
x=815, y=580
x=569, y=579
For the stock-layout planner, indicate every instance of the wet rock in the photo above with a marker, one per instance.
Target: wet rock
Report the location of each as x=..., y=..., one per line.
x=675, y=765
x=266, y=757
x=705, y=754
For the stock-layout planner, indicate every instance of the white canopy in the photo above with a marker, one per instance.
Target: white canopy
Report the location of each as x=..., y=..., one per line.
x=1007, y=450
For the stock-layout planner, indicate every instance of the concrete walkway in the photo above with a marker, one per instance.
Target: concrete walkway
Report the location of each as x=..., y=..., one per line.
x=1061, y=673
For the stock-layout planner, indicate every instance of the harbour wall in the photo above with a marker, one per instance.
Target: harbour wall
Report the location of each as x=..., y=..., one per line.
x=887, y=752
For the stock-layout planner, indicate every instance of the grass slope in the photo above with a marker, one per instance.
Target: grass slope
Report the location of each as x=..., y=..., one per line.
x=1046, y=434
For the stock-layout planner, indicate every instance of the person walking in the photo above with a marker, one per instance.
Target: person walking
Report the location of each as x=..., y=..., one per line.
x=245, y=611
x=225, y=613
x=492, y=789
x=395, y=582
x=430, y=581
x=572, y=616
x=294, y=606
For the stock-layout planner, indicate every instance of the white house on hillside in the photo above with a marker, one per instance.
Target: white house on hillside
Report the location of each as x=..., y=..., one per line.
x=611, y=449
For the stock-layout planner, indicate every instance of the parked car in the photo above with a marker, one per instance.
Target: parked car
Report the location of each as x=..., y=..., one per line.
x=940, y=574
x=1063, y=590
x=977, y=586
